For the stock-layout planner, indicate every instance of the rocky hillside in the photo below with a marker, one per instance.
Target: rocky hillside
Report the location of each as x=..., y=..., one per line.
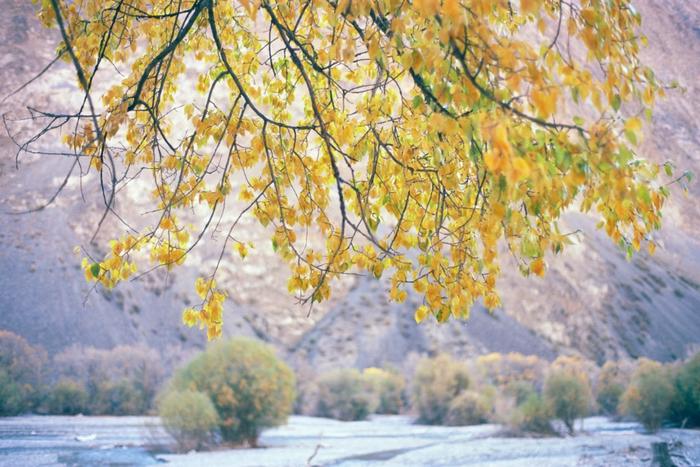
x=592, y=300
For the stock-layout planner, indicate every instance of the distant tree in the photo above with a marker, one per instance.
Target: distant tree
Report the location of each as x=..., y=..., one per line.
x=119, y=381
x=649, y=395
x=534, y=415
x=387, y=388
x=342, y=394
x=468, y=408
x=436, y=383
x=385, y=127
x=610, y=385
x=67, y=397
x=21, y=373
x=685, y=409
x=567, y=391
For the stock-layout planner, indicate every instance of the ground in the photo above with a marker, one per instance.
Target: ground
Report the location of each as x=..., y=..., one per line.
x=382, y=441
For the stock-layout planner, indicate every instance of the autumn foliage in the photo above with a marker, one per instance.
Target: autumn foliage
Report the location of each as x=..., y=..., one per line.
x=413, y=137
x=249, y=387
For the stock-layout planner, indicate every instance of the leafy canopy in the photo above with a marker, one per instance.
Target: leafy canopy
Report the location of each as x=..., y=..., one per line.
x=413, y=137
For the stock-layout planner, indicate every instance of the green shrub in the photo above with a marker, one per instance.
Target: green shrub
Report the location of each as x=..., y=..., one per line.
x=67, y=397
x=386, y=388
x=649, y=395
x=189, y=417
x=468, y=408
x=249, y=386
x=342, y=395
x=21, y=374
x=437, y=381
x=685, y=409
x=533, y=416
x=610, y=385
x=567, y=391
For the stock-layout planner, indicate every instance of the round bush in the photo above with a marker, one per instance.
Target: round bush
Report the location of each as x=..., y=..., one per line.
x=67, y=397
x=437, y=381
x=648, y=397
x=189, y=417
x=533, y=416
x=468, y=408
x=568, y=393
x=342, y=395
x=249, y=386
x=387, y=389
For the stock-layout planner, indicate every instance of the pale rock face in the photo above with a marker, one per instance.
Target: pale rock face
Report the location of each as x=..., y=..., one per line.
x=591, y=301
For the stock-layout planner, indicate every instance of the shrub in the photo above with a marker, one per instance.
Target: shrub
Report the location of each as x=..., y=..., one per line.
x=468, y=408
x=189, y=417
x=249, y=386
x=386, y=388
x=342, y=395
x=533, y=416
x=685, y=409
x=567, y=391
x=649, y=395
x=21, y=373
x=120, y=381
x=67, y=397
x=437, y=381
x=610, y=386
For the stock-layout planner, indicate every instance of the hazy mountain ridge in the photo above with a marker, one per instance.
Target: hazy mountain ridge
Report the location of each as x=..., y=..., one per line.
x=592, y=300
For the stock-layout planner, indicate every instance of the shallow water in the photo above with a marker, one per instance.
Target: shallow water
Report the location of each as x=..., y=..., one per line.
x=385, y=441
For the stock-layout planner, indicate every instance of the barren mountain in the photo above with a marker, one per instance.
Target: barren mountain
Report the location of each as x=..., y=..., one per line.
x=592, y=300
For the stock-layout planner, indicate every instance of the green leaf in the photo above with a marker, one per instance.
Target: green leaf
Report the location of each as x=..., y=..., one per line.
x=417, y=101
x=575, y=94
x=474, y=153
x=625, y=155
x=502, y=183
x=529, y=247
x=95, y=269
x=373, y=222
x=668, y=168
x=578, y=121
x=643, y=193
x=616, y=102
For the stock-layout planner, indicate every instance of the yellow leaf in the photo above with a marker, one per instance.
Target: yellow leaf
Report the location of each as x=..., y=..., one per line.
x=421, y=313
x=538, y=267
x=633, y=124
x=652, y=248
x=529, y=6
x=242, y=250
